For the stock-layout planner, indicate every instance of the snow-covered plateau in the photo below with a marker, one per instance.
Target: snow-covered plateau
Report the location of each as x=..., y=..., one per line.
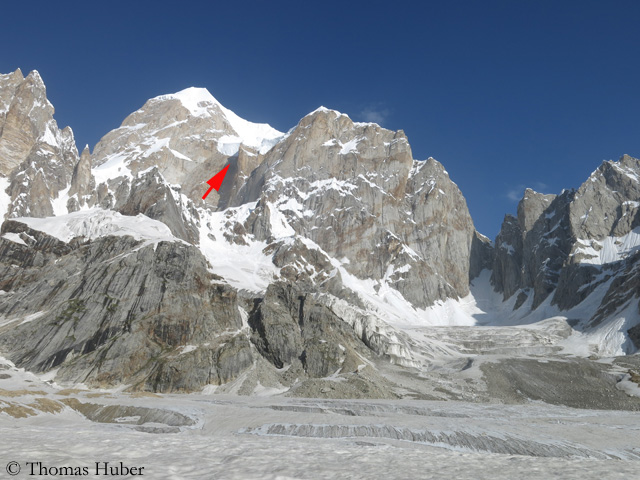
x=263, y=437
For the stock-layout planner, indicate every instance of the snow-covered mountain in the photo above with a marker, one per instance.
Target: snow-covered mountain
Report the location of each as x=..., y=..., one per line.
x=329, y=263
x=577, y=253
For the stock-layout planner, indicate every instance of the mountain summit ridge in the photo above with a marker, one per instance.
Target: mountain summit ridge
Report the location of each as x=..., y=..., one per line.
x=327, y=250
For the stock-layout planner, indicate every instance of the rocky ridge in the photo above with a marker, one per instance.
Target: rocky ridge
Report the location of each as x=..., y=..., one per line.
x=38, y=158
x=324, y=253
x=563, y=248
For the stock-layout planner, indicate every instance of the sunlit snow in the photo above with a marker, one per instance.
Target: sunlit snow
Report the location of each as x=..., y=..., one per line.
x=5, y=199
x=257, y=135
x=95, y=223
x=245, y=267
x=609, y=250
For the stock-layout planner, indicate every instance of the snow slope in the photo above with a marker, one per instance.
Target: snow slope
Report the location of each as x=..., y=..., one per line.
x=609, y=250
x=95, y=223
x=245, y=267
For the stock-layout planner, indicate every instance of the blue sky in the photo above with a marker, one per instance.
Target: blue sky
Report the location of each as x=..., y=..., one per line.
x=506, y=94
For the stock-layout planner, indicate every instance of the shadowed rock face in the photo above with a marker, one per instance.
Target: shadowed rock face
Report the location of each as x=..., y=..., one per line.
x=290, y=325
x=634, y=334
x=151, y=196
x=507, y=264
x=113, y=311
x=83, y=185
x=525, y=256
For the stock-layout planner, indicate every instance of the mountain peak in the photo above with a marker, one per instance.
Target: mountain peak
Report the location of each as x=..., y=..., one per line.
x=17, y=75
x=194, y=99
x=200, y=103
x=322, y=109
x=35, y=74
x=323, y=116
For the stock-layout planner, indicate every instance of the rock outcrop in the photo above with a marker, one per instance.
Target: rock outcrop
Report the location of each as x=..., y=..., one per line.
x=83, y=184
x=356, y=192
x=113, y=311
x=36, y=156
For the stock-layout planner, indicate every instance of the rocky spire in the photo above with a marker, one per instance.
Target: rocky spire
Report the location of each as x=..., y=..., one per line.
x=35, y=154
x=83, y=183
x=27, y=112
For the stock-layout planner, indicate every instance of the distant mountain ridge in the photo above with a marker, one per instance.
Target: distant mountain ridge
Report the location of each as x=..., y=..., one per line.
x=327, y=249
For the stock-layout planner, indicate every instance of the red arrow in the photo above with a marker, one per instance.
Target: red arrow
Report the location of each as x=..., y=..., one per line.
x=216, y=181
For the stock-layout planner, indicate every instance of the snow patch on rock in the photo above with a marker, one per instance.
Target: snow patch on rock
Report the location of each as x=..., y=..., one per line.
x=95, y=223
x=609, y=250
x=5, y=199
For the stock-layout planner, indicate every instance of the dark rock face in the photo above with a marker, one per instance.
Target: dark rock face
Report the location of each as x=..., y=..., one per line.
x=83, y=184
x=634, y=335
x=113, y=311
x=151, y=196
x=507, y=264
x=546, y=247
x=481, y=256
x=289, y=325
x=531, y=248
x=576, y=283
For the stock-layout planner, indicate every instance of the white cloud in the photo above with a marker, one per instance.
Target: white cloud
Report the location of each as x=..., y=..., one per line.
x=375, y=115
x=540, y=187
x=515, y=194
